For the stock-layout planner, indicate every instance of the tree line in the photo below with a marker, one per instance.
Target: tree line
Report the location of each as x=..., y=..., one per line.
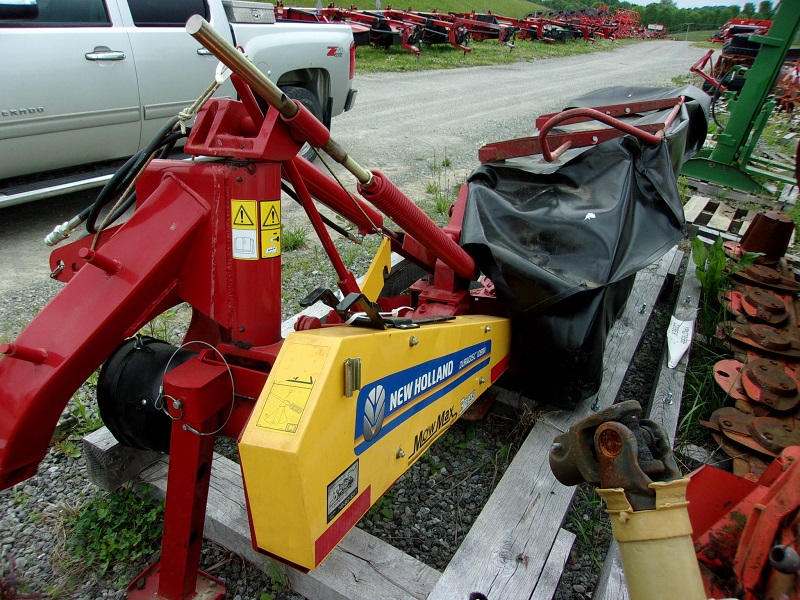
x=667, y=13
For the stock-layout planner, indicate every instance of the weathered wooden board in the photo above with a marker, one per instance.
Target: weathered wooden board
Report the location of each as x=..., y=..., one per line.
x=722, y=217
x=694, y=207
x=109, y=464
x=524, y=514
x=361, y=567
x=551, y=574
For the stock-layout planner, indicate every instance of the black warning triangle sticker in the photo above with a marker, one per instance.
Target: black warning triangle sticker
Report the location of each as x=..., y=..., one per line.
x=271, y=218
x=242, y=218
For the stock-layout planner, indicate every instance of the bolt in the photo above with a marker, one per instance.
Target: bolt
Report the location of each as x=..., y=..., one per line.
x=641, y=310
x=413, y=341
x=610, y=442
x=400, y=453
x=482, y=380
x=176, y=404
x=668, y=398
x=487, y=329
x=687, y=300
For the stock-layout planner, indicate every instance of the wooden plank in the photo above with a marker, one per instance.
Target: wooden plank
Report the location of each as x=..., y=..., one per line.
x=361, y=567
x=109, y=464
x=526, y=510
x=612, y=584
x=664, y=409
x=695, y=206
x=722, y=217
x=554, y=567
x=746, y=220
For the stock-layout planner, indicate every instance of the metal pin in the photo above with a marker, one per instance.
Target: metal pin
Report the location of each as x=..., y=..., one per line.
x=668, y=398
x=687, y=300
x=641, y=310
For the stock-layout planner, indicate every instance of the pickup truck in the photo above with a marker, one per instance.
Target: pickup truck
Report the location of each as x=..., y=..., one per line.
x=90, y=81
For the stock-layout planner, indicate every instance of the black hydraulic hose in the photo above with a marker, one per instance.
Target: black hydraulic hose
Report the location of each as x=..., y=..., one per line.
x=128, y=172
x=169, y=142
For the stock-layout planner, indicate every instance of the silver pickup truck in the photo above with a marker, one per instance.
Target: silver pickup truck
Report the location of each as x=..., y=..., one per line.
x=90, y=81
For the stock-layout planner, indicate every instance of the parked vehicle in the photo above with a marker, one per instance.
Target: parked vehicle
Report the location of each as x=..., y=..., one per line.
x=93, y=80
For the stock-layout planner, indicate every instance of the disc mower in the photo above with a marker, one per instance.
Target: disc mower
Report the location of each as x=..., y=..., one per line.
x=329, y=417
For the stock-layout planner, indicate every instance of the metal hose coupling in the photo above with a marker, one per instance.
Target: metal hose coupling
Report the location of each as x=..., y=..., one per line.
x=63, y=231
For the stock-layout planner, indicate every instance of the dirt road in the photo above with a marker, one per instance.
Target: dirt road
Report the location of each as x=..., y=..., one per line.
x=404, y=122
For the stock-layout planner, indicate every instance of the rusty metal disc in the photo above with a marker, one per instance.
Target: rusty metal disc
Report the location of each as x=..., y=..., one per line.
x=768, y=276
x=733, y=425
x=774, y=434
x=727, y=375
x=767, y=381
x=771, y=338
x=764, y=305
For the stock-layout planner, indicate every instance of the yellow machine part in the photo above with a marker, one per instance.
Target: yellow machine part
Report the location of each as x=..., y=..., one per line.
x=345, y=412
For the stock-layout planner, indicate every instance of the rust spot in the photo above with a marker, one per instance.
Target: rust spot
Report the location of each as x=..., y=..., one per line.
x=610, y=442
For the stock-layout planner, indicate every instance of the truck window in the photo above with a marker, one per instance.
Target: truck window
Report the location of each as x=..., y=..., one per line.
x=157, y=13
x=66, y=13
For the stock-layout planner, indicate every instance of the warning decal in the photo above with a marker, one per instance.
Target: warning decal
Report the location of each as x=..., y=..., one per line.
x=285, y=405
x=270, y=229
x=244, y=226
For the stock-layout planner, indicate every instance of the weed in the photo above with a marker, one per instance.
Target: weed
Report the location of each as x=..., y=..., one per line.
x=294, y=238
x=589, y=523
x=433, y=462
x=11, y=584
x=277, y=573
x=714, y=277
x=120, y=527
x=383, y=507
x=69, y=448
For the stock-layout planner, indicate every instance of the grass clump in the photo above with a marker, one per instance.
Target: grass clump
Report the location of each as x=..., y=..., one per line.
x=117, y=528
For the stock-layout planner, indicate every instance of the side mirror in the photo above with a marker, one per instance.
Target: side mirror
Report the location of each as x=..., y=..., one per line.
x=18, y=10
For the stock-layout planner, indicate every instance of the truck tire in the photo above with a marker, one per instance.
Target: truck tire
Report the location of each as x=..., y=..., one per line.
x=311, y=102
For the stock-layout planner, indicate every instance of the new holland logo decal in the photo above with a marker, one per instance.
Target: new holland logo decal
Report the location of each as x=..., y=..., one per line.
x=388, y=402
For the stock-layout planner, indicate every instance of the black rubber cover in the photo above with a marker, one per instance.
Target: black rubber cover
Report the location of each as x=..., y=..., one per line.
x=128, y=392
x=563, y=243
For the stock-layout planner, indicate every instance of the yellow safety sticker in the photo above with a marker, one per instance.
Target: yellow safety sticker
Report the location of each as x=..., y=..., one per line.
x=290, y=392
x=285, y=405
x=270, y=228
x=244, y=229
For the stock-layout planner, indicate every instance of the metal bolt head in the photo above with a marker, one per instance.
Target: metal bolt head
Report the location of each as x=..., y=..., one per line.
x=176, y=404
x=413, y=341
x=487, y=329
x=400, y=453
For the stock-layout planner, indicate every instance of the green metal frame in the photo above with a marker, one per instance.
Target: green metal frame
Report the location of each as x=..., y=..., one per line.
x=731, y=162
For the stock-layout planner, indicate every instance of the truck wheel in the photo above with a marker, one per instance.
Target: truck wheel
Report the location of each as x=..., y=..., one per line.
x=310, y=101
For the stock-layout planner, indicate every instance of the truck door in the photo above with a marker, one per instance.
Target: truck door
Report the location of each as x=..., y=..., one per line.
x=69, y=92
x=173, y=69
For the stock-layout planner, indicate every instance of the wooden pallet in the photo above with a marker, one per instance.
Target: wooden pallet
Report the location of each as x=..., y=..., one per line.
x=716, y=215
x=516, y=548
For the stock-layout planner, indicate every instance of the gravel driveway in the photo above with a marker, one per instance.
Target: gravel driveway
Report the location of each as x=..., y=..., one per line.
x=402, y=123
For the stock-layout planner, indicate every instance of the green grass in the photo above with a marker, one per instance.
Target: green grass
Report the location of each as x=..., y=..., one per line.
x=441, y=56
